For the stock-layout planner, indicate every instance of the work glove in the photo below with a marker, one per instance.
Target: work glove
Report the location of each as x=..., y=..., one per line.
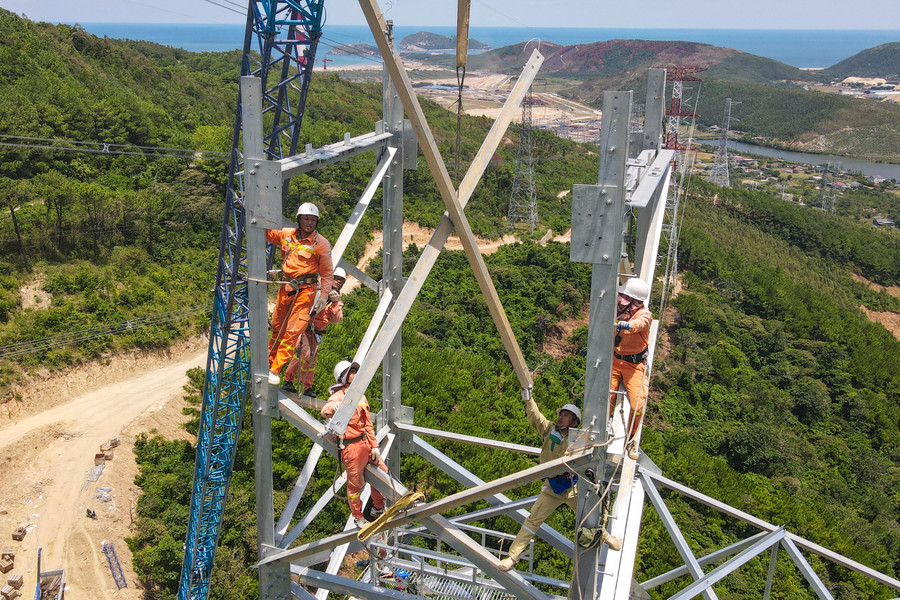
x=375, y=455
x=319, y=305
x=623, y=325
x=526, y=393
x=334, y=296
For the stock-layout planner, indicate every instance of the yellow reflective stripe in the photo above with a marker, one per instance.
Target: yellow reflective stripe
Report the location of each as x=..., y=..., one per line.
x=302, y=247
x=356, y=495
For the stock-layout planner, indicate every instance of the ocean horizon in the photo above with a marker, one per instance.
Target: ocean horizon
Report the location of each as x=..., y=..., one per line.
x=804, y=48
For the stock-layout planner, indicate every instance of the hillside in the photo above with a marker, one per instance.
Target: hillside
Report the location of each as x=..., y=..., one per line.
x=105, y=240
x=424, y=41
x=880, y=61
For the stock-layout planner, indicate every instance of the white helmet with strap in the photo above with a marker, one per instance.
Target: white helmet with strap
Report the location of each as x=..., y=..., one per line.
x=308, y=208
x=572, y=409
x=340, y=272
x=636, y=288
x=342, y=371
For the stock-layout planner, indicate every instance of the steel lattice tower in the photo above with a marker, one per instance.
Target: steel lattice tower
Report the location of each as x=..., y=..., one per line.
x=719, y=174
x=523, y=199
x=678, y=75
x=826, y=190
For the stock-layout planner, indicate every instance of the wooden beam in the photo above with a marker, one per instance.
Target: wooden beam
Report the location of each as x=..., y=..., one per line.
x=402, y=305
x=442, y=178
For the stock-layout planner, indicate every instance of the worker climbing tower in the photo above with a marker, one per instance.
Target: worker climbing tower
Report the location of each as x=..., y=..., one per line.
x=523, y=198
x=719, y=173
x=413, y=548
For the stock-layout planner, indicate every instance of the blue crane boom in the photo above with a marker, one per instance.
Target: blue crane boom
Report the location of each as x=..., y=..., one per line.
x=285, y=35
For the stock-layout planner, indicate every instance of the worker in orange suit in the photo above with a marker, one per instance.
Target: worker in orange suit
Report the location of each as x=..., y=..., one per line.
x=305, y=364
x=305, y=263
x=358, y=445
x=630, y=354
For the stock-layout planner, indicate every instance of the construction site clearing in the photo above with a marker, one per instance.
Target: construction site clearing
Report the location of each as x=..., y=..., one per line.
x=484, y=94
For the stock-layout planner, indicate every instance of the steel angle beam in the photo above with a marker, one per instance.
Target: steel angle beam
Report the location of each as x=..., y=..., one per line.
x=315, y=158
x=675, y=533
x=340, y=245
x=806, y=569
x=349, y=587
x=770, y=578
x=653, y=180
x=360, y=357
x=469, y=479
x=592, y=210
x=654, y=108
x=320, y=504
x=430, y=253
x=469, y=439
x=732, y=565
x=387, y=487
x=297, y=492
x=486, y=513
x=710, y=558
x=354, y=271
x=759, y=523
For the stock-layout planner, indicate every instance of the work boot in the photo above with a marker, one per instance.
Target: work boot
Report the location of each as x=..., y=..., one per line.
x=613, y=542
x=376, y=512
x=632, y=450
x=309, y=392
x=289, y=387
x=595, y=536
x=274, y=378
x=361, y=522
x=507, y=564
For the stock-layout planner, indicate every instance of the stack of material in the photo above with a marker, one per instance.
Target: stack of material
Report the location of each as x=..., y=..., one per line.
x=7, y=560
x=16, y=580
x=8, y=592
x=19, y=534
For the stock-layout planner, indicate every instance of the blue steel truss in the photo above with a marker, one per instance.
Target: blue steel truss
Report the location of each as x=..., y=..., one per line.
x=279, y=48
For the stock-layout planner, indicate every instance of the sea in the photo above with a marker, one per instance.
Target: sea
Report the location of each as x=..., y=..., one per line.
x=804, y=48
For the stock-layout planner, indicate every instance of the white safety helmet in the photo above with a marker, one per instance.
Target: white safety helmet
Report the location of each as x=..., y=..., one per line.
x=342, y=370
x=308, y=208
x=339, y=272
x=572, y=409
x=635, y=288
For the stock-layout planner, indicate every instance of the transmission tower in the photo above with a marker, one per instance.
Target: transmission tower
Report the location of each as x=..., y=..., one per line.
x=678, y=75
x=719, y=174
x=827, y=201
x=523, y=200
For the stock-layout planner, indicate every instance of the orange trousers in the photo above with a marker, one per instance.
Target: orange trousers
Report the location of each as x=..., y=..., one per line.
x=355, y=458
x=305, y=365
x=632, y=376
x=289, y=320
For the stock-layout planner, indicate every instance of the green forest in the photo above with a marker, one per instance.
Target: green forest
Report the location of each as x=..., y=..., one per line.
x=775, y=395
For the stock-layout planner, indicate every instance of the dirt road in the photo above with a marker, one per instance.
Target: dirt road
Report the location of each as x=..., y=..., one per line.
x=46, y=457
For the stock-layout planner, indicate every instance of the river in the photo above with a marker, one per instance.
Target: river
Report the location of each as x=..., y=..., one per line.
x=888, y=171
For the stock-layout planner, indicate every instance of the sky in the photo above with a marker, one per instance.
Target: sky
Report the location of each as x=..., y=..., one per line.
x=664, y=14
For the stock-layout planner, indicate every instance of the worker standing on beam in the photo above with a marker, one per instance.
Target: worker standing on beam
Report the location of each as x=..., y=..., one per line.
x=306, y=263
x=305, y=364
x=557, y=490
x=358, y=445
x=630, y=355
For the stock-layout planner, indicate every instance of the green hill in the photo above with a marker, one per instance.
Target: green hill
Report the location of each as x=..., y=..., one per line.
x=880, y=61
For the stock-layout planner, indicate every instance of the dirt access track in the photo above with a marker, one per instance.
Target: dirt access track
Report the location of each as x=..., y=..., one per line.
x=47, y=444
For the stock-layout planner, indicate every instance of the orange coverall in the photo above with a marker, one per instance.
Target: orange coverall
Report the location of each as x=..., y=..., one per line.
x=359, y=439
x=301, y=258
x=634, y=341
x=309, y=344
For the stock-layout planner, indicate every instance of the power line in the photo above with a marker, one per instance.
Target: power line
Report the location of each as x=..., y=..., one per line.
x=84, y=335
x=226, y=7
x=111, y=149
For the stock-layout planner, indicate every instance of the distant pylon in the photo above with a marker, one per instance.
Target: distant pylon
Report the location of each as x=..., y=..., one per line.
x=677, y=75
x=719, y=174
x=523, y=199
x=827, y=200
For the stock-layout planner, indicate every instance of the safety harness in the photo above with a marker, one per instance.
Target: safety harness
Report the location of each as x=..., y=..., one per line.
x=633, y=358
